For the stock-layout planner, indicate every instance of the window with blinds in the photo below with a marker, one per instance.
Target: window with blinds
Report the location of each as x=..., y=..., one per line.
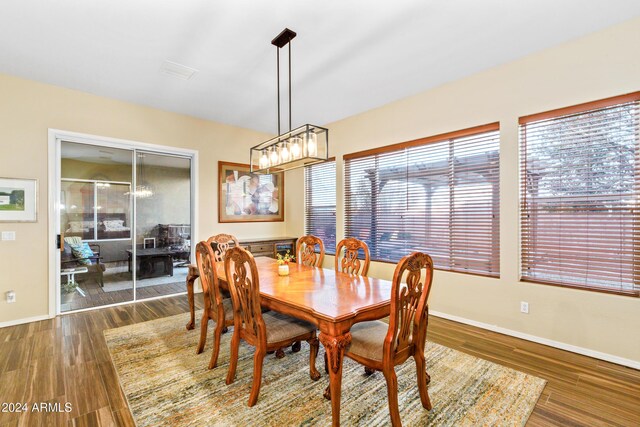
x=439, y=195
x=579, y=186
x=320, y=203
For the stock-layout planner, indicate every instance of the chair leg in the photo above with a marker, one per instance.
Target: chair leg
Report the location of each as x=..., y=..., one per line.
x=314, y=346
x=326, y=363
x=392, y=395
x=422, y=380
x=233, y=361
x=369, y=371
x=258, y=359
x=296, y=347
x=204, y=324
x=279, y=353
x=217, y=334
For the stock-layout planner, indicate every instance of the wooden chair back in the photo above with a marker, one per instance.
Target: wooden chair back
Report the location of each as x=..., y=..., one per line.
x=220, y=243
x=306, y=251
x=205, y=260
x=242, y=276
x=350, y=263
x=409, y=310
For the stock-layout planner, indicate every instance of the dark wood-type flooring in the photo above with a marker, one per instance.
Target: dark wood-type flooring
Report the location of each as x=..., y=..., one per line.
x=66, y=360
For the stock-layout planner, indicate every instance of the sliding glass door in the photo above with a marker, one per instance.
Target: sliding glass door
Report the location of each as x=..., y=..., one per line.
x=163, y=218
x=96, y=215
x=125, y=225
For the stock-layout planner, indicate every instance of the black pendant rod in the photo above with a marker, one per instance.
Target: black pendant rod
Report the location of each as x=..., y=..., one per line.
x=280, y=41
x=278, y=67
x=290, y=86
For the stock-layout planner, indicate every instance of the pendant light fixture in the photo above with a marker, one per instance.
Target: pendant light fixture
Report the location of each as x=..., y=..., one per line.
x=143, y=189
x=305, y=145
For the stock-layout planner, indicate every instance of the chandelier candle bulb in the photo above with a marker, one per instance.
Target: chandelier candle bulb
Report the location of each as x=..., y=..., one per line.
x=312, y=144
x=274, y=156
x=264, y=160
x=284, y=152
x=295, y=147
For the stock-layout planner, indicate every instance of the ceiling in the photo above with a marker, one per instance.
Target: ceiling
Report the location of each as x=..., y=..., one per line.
x=348, y=57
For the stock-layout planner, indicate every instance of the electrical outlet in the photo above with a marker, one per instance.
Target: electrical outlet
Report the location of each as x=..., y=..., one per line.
x=11, y=296
x=8, y=235
x=524, y=307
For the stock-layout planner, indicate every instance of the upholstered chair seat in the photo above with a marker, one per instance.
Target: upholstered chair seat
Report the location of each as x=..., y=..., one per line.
x=284, y=328
x=227, y=306
x=367, y=339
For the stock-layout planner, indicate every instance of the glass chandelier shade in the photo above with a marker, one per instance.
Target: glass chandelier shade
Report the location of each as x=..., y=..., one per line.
x=143, y=189
x=303, y=146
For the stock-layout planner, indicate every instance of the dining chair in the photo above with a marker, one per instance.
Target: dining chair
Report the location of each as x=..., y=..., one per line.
x=220, y=243
x=349, y=262
x=215, y=307
x=265, y=331
x=306, y=255
x=380, y=347
x=306, y=251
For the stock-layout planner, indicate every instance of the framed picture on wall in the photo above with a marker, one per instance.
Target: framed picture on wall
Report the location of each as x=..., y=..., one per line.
x=249, y=197
x=18, y=200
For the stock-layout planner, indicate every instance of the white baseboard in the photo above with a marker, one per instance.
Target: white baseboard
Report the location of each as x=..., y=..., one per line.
x=551, y=343
x=25, y=320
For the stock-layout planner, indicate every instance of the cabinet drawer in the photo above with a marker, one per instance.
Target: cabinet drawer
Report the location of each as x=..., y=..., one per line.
x=261, y=249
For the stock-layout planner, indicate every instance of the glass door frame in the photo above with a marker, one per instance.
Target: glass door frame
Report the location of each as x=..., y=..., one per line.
x=55, y=139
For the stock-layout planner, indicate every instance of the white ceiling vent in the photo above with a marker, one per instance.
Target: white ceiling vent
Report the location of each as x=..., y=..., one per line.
x=177, y=70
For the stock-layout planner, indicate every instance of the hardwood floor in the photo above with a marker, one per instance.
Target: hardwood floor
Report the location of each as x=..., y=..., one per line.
x=66, y=360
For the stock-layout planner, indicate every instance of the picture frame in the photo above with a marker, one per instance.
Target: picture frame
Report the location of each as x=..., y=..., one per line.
x=18, y=200
x=149, y=242
x=247, y=197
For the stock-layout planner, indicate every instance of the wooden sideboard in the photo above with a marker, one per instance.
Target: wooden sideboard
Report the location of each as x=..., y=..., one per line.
x=269, y=246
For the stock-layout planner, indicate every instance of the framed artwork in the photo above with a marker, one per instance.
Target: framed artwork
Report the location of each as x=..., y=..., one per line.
x=149, y=242
x=18, y=200
x=249, y=197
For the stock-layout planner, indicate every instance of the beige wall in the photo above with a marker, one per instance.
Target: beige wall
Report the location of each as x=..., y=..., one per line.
x=594, y=67
x=597, y=66
x=28, y=109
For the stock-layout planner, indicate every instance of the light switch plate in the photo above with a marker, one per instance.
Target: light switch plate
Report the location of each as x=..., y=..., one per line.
x=11, y=297
x=8, y=235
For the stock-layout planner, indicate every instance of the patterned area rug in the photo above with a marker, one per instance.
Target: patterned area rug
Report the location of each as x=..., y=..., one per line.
x=167, y=384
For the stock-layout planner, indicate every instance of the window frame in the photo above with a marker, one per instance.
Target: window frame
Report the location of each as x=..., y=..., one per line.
x=439, y=138
x=328, y=249
x=559, y=113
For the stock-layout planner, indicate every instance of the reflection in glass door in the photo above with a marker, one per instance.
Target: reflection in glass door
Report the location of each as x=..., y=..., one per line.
x=96, y=213
x=163, y=218
x=125, y=224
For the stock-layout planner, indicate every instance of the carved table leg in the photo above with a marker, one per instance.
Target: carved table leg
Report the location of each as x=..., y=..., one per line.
x=191, y=278
x=334, y=347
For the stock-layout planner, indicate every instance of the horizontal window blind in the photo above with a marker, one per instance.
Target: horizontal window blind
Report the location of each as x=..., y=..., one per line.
x=320, y=203
x=579, y=186
x=439, y=195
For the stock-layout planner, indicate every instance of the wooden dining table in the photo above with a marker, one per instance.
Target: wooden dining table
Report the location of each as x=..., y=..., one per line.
x=331, y=300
